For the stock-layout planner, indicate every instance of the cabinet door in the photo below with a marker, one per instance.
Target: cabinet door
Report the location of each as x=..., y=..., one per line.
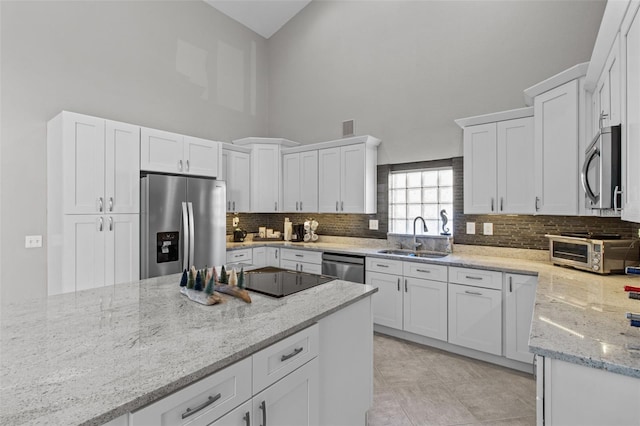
x=480, y=172
x=425, y=307
x=329, y=180
x=122, y=168
x=84, y=252
x=556, y=150
x=516, y=190
x=352, y=176
x=201, y=156
x=294, y=400
x=520, y=297
x=265, y=178
x=238, y=183
x=83, y=164
x=273, y=257
x=161, y=151
x=631, y=207
x=122, y=248
x=309, y=181
x=475, y=318
x=387, y=302
x=291, y=183
x=259, y=257
x=240, y=416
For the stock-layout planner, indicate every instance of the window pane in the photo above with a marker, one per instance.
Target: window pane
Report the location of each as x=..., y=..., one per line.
x=399, y=196
x=446, y=195
x=398, y=180
x=430, y=211
x=399, y=211
x=414, y=210
x=430, y=195
x=430, y=178
x=414, y=180
x=399, y=226
x=433, y=227
x=445, y=177
x=413, y=196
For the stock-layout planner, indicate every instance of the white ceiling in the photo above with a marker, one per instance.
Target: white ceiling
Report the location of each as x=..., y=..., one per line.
x=262, y=16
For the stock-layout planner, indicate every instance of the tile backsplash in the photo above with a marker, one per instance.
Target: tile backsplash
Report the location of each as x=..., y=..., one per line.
x=525, y=232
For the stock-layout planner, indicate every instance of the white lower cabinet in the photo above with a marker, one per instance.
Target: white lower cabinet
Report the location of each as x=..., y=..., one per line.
x=266, y=256
x=425, y=307
x=475, y=318
x=387, y=302
x=235, y=257
x=520, y=295
x=290, y=401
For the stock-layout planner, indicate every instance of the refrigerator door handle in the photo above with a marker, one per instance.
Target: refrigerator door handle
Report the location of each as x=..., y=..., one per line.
x=185, y=237
x=192, y=235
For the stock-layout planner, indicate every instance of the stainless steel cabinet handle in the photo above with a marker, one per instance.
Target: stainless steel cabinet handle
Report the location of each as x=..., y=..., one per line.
x=276, y=254
x=491, y=203
x=234, y=205
x=406, y=289
x=398, y=284
x=299, y=255
x=291, y=355
x=336, y=205
x=471, y=277
x=100, y=224
x=382, y=266
x=110, y=204
x=296, y=206
x=247, y=418
x=110, y=223
x=510, y=284
x=180, y=165
x=537, y=201
x=300, y=205
x=237, y=255
x=187, y=165
x=100, y=204
x=275, y=206
x=617, y=191
x=209, y=401
x=475, y=293
x=424, y=270
x=341, y=206
x=263, y=407
x=501, y=204
x=301, y=268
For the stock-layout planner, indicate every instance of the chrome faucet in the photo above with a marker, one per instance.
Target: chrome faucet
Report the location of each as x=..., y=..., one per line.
x=424, y=226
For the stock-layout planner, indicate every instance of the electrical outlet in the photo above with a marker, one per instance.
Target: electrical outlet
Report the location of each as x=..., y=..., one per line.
x=33, y=241
x=235, y=221
x=373, y=224
x=471, y=227
x=488, y=229
x=639, y=233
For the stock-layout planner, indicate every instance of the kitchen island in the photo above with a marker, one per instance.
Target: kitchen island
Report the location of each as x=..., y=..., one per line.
x=92, y=356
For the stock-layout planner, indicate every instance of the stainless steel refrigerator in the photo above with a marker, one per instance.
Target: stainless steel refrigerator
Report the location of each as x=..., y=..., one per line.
x=182, y=223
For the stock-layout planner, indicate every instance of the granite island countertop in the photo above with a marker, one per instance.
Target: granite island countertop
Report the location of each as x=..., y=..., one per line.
x=91, y=356
x=579, y=317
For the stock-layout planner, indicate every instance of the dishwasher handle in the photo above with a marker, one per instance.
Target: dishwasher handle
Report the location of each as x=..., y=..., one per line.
x=343, y=258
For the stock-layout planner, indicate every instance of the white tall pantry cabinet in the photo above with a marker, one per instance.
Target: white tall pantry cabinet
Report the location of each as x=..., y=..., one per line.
x=93, y=202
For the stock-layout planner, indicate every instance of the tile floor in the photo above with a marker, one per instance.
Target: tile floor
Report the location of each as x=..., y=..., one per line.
x=417, y=385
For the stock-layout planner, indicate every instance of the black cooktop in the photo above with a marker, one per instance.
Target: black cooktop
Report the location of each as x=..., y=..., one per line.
x=591, y=235
x=277, y=282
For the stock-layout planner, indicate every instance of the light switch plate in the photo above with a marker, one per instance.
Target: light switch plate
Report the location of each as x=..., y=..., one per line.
x=33, y=241
x=373, y=224
x=488, y=229
x=471, y=227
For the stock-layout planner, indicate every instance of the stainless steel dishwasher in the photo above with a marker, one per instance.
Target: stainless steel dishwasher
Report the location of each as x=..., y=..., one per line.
x=346, y=267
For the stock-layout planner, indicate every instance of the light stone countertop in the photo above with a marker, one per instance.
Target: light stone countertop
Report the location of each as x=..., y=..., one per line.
x=91, y=356
x=579, y=317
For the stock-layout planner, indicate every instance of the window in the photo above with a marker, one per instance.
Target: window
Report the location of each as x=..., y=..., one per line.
x=425, y=193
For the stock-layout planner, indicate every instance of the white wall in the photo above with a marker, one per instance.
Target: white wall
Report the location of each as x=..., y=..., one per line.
x=404, y=70
x=174, y=65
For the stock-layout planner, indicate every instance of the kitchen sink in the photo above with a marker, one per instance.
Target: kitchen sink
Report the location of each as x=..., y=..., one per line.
x=411, y=253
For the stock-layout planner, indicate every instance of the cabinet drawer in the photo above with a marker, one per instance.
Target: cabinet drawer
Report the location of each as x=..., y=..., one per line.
x=385, y=266
x=301, y=256
x=476, y=277
x=310, y=268
x=273, y=363
x=202, y=402
x=242, y=255
x=425, y=270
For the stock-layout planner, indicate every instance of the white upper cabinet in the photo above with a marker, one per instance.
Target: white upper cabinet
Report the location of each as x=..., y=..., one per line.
x=347, y=177
x=93, y=165
x=498, y=166
x=168, y=152
x=630, y=33
x=606, y=99
x=235, y=171
x=556, y=150
x=300, y=181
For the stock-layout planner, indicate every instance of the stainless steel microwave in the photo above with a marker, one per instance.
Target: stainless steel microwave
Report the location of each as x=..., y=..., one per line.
x=600, y=175
x=602, y=256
